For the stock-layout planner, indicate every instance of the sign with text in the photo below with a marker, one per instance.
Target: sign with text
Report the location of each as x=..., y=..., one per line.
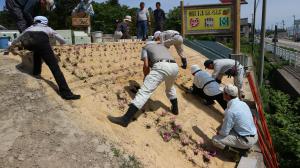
x=208, y=19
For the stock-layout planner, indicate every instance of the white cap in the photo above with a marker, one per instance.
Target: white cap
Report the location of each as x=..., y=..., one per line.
x=156, y=34
x=50, y=6
x=195, y=68
x=231, y=90
x=41, y=19
x=128, y=18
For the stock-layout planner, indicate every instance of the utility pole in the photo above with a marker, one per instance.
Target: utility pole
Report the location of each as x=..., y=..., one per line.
x=294, y=29
x=275, y=40
x=283, y=25
x=237, y=27
x=262, y=43
x=253, y=28
x=182, y=18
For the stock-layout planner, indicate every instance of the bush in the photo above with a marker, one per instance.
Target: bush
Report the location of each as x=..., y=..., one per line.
x=282, y=114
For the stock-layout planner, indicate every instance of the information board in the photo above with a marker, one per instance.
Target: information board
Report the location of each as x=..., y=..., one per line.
x=208, y=19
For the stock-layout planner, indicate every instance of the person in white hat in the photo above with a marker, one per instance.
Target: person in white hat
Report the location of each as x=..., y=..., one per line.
x=169, y=38
x=206, y=87
x=238, y=129
x=159, y=66
x=36, y=39
x=123, y=29
x=23, y=11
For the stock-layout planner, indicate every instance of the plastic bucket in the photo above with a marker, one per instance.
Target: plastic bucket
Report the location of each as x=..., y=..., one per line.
x=97, y=36
x=4, y=42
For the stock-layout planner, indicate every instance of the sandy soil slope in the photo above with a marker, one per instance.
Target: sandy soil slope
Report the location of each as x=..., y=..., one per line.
x=105, y=76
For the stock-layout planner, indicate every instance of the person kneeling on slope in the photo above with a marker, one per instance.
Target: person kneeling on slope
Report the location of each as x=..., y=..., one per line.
x=206, y=87
x=238, y=129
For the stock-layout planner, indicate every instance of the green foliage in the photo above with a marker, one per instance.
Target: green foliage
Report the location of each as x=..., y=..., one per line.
x=107, y=13
x=6, y=20
x=282, y=115
x=173, y=21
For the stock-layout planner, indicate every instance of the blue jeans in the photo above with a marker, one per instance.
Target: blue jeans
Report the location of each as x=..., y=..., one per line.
x=142, y=29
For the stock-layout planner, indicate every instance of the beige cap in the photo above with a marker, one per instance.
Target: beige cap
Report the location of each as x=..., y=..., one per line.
x=128, y=18
x=231, y=90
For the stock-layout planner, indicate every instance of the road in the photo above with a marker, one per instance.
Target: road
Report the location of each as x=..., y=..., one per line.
x=286, y=43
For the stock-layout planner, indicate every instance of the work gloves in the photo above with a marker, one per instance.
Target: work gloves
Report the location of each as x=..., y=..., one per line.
x=184, y=63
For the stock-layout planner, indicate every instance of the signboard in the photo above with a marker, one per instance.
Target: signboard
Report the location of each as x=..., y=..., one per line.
x=208, y=19
x=230, y=1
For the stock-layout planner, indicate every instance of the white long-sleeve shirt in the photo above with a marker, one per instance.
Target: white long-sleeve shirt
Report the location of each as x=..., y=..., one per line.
x=42, y=28
x=201, y=78
x=238, y=117
x=223, y=65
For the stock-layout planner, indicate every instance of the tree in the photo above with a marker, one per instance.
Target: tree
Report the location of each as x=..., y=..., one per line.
x=173, y=21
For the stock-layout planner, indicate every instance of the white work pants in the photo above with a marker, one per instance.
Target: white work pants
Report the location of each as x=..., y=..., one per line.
x=161, y=71
x=177, y=41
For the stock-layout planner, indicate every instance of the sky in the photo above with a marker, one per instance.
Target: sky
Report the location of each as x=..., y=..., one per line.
x=277, y=10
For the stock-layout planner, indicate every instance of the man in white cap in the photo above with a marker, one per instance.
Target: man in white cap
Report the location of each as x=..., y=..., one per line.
x=159, y=66
x=206, y=87
x=36, y=39
x=123, y=29
x=227, y=67
x=238, y=129
x=169, y=38
x=23, y=11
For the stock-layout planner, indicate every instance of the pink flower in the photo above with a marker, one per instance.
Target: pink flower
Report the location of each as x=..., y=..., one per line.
x=167, y=136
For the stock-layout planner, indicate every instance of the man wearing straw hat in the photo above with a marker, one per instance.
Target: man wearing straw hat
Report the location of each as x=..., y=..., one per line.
x=123, y=29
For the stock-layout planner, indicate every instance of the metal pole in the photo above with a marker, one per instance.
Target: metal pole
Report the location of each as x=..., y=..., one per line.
x=182, y=19
x=262, y=43
x=253, y=28
x=294, y=29
x=237, y=27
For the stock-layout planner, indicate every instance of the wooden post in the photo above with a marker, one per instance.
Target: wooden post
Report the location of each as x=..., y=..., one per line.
x=237, y=26
x=182, y=19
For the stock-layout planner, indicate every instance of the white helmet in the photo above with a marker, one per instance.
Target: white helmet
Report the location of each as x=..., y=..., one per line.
x=40, y=19
x=195, y=68
x=156, y=34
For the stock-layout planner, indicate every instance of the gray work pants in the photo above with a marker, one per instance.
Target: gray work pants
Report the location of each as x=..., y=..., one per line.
x=161, y=71
x=238, y=79
x=234, y=140
x=177, y=41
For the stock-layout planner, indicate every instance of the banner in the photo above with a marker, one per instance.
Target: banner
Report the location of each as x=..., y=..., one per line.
x=208, y=19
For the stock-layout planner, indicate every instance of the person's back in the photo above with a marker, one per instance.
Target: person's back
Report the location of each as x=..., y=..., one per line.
x=38, y=27
x=168, y=34
x=223, y=65
x=241, y=117
x=202, y=78
x=157, y=52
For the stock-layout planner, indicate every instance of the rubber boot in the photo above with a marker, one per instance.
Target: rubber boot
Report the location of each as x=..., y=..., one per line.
x=126, y=118
x=184, y=63
x=174, y=108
